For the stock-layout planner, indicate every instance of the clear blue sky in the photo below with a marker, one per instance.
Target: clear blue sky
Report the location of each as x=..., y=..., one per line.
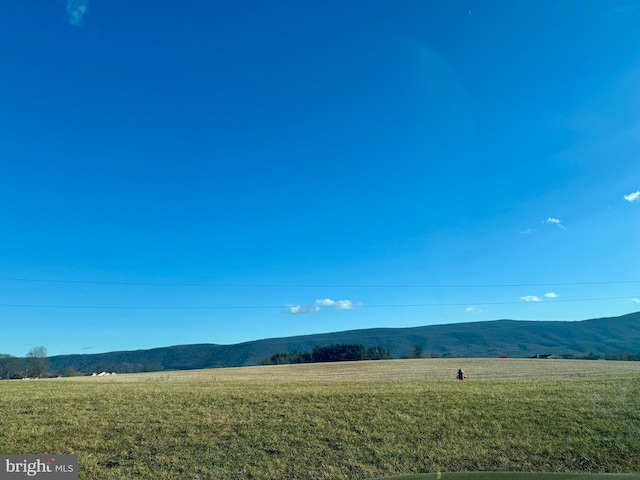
x=218, y=172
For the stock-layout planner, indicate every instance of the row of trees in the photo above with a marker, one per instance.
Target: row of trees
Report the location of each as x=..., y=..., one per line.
x=624, y=356
x=417, y=352
x=330, y=353
x=35, y=365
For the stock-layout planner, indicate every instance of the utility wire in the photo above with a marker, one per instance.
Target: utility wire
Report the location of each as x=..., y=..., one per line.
x=275, y=285
x=254, y=307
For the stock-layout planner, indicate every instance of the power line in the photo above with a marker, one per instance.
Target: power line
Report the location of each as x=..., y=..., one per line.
x=276, y=285
x=256, y=307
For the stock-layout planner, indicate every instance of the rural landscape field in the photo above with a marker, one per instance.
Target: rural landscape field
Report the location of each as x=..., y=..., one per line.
x=351, y=420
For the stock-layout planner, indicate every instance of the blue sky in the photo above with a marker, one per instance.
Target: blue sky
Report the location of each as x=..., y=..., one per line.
x=218, y=172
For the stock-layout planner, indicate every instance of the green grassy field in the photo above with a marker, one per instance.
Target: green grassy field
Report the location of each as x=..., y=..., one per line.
x=335, y=421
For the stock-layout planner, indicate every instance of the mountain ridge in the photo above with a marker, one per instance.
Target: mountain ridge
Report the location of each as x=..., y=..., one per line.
x=514, y=338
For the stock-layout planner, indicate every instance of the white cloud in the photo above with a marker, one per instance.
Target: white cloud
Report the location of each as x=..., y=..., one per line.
x=635, y=300
x=555, y=221
x=326, y=302
x=300, y=309
x=77, y=9
x=344, y=304
x=530, y=298
x=341, y=304
x=472, y=309
x=551, y=295
x=633, y=197
x=528, y=231
x=318, y=304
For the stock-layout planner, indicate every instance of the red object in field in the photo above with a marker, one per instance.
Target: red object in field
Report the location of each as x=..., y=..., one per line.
x=461, y=376
x=503, y=356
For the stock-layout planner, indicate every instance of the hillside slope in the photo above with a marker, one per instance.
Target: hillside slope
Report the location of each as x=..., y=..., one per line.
x=477, y=339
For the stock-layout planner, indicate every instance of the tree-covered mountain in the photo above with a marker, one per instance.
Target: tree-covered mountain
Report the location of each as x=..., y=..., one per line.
x=478, y=339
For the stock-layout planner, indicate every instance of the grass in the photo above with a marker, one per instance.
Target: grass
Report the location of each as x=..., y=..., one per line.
x=514, y=475
x=334, y=421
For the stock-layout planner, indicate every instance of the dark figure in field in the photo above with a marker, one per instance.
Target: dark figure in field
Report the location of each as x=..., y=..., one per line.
x=461, y=375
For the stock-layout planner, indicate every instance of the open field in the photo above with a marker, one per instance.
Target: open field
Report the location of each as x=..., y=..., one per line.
x=480, y=369
x=513, y=476
x=334, y=421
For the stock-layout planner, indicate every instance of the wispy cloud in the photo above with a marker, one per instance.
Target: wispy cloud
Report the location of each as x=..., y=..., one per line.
x=302, y=309
x=528, y=231
x=344, y=304
x=530, y=298
x=555, y=221
x=472, y=309
x=635, y=300
x=318, y=304
x=77, y=9
x=341, y=304
x=327, y=302
x=633, y=197
x=536, y=298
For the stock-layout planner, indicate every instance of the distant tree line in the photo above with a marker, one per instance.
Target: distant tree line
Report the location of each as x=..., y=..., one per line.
x=10, y=367
x=418, y=352
x=613, y=356
x=34, y=365
x=331, y=353
x=624, y=356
